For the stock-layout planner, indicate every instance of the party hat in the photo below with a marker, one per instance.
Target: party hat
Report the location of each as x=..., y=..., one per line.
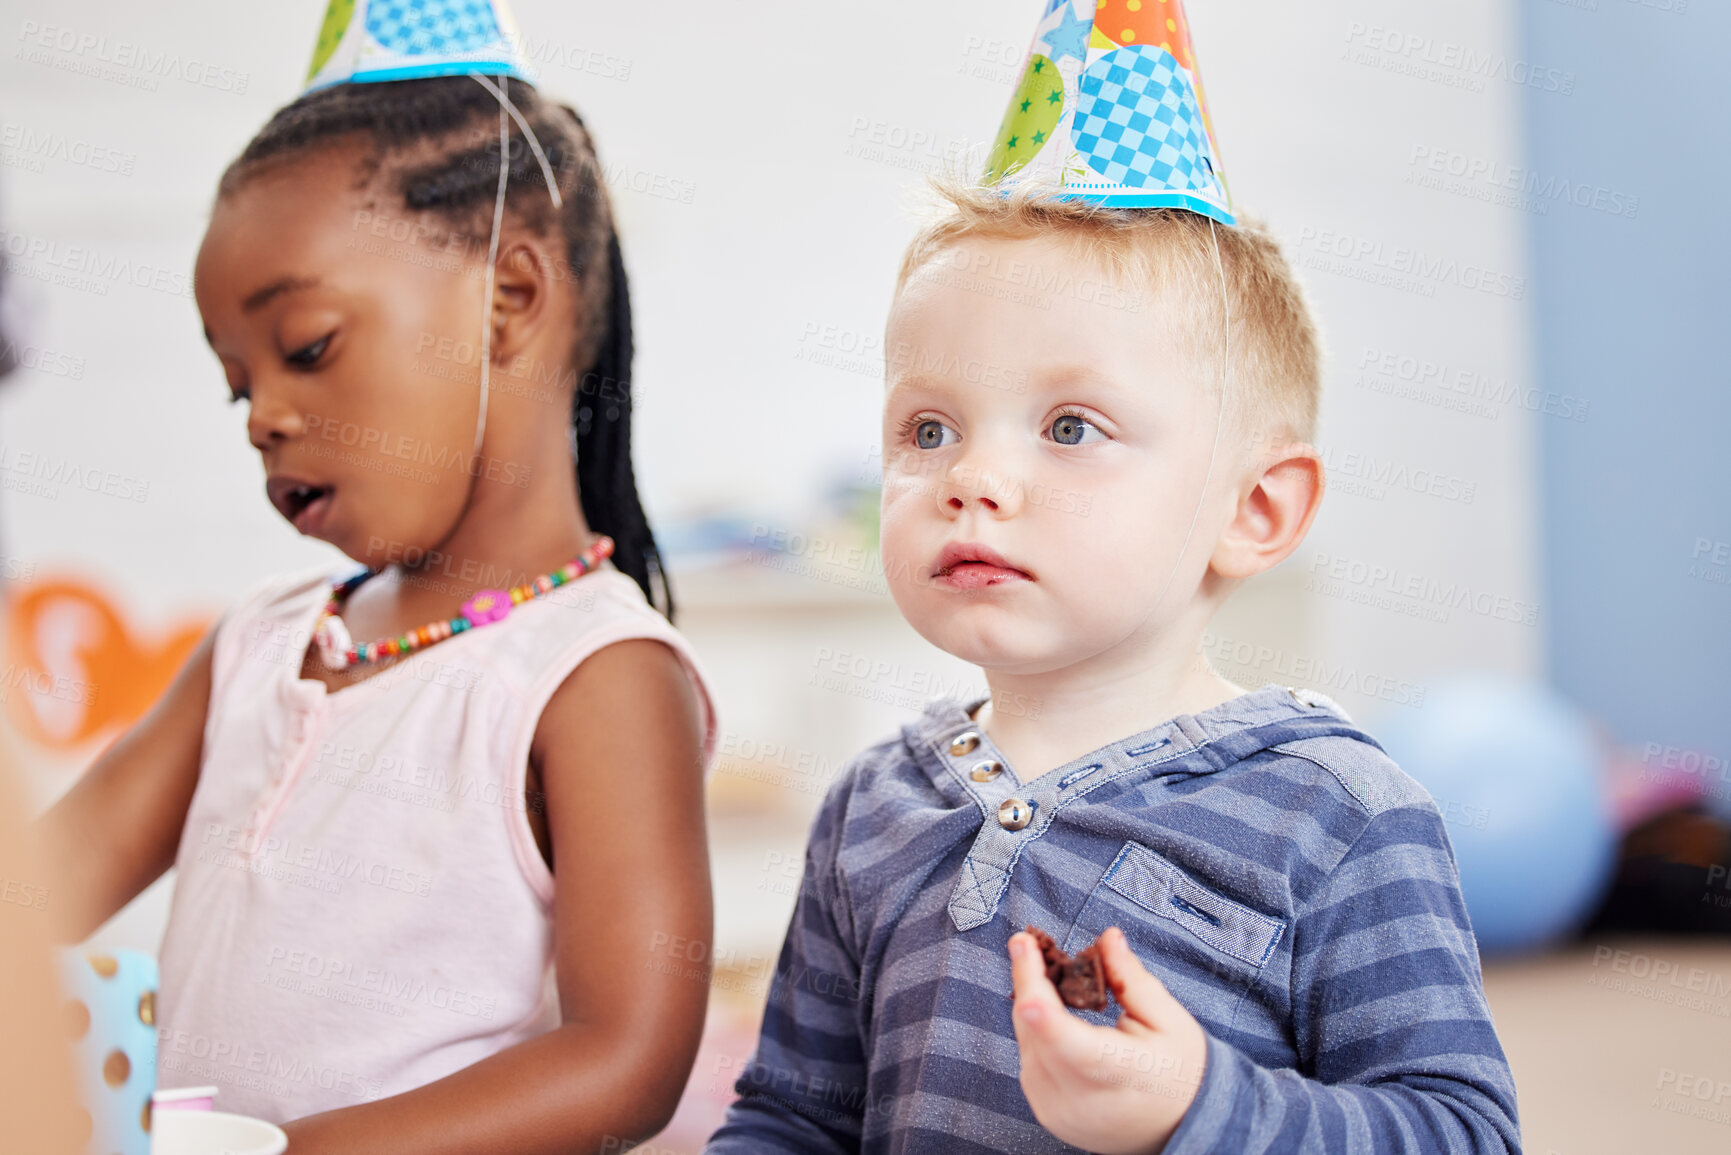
x=366, y=40
x=1110, y=109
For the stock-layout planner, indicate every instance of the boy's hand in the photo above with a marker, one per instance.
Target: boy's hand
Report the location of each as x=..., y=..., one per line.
x=1118, y=1091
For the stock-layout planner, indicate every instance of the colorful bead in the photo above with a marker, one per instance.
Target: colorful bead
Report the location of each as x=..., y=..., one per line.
x=486, y=606
x=333, y=641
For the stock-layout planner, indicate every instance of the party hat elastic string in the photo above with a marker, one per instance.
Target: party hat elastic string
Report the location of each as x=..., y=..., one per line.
x=487, y=292
x=502, y=94
x=1219, y=415
x=529, y=134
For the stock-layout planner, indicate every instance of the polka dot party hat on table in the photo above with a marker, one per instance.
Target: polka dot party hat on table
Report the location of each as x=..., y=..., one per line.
x=367, y=40
x=111, y=1018
x=1110, y=109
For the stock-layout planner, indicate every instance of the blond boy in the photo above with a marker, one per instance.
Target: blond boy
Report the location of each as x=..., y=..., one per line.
x=1276, y=901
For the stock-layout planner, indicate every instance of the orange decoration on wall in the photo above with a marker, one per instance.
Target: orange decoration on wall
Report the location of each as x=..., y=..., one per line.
x=74, y=667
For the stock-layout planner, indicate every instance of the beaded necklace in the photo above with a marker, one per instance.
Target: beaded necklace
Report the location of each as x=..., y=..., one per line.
x=339, y=651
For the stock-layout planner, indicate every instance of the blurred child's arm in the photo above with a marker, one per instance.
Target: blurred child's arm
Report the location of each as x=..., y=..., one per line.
x=38, y=1097
x=804, y=1091
x=620, y=755
x=1388, y=1010
x=116, y=831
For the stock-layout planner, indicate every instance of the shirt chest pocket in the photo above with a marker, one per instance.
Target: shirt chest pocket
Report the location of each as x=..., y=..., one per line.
x=1208, y=949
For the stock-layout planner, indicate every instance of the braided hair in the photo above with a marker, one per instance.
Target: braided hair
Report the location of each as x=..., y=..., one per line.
x=456, y=180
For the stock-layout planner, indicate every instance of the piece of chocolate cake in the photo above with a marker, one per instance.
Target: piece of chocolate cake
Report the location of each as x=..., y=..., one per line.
x=1081, y=981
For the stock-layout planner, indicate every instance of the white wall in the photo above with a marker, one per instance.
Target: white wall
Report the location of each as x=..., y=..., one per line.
x=768, y=113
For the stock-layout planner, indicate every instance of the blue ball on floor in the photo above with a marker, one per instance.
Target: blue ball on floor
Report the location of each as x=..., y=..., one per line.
x=1516, y=772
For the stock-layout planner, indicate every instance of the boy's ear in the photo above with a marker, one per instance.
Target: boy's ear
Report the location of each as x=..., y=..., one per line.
x=1273, y=514
x=522, y=291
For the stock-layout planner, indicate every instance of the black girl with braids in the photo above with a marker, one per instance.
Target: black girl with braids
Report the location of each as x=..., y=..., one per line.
x=457, y=187
x=553, y=759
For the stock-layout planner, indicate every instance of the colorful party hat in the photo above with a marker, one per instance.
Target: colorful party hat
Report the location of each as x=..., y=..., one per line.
x=365, y=40
x=1110, y=109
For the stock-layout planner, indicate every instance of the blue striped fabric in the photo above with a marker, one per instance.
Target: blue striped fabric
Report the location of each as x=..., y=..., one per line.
x=1292, y=887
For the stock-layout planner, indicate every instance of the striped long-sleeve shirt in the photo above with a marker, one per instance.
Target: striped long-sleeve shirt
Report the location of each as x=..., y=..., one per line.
x=1290, y=885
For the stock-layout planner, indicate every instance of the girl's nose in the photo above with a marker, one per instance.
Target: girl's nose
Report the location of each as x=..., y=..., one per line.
x=271, y=418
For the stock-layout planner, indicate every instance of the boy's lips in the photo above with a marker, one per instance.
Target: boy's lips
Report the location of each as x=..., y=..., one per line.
x=968, y=566
x=304, y=503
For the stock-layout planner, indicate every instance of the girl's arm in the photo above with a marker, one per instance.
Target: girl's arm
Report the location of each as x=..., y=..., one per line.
x=620, y=747
x=116, y=831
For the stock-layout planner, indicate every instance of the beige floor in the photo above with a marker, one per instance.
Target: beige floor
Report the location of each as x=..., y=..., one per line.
x=1620, y=1046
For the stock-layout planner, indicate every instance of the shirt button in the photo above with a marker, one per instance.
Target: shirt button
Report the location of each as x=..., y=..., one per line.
x=1013, y=813
x=964, y=743
x=987, y=770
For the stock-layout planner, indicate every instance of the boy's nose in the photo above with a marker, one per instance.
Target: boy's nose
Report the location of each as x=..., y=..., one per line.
x=965, y=487
x=960, y=501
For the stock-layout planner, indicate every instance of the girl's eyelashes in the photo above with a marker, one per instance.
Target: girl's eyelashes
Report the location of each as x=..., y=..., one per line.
x=1072, y=428
x=235, y=378
x=308, y=355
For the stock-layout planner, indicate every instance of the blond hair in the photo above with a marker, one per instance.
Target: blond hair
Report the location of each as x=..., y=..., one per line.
x=1275, y=353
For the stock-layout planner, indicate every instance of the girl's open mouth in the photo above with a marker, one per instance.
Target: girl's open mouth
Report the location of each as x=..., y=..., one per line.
x=314, y=504
x=303, y=503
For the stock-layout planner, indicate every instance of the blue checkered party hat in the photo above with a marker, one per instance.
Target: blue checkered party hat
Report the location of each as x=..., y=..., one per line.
x=366, y=40
x=1109, y=108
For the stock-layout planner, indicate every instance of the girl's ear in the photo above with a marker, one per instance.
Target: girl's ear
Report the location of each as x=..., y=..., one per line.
x=523, y=287
x=1273, y=514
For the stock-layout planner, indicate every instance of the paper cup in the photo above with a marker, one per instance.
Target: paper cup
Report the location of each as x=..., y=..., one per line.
x=213, y=1133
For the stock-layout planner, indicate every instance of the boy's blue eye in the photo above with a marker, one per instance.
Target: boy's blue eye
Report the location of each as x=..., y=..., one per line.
x=1069, y=429
x=929, y=434
x=309, y=355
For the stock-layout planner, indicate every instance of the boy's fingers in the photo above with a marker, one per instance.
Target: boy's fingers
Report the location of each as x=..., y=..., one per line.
x=1045, y=1029
x=1028, y=979
x=1144, y=998
x=1039, y=1081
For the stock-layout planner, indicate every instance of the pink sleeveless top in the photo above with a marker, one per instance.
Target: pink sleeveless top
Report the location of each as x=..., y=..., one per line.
x=360, y=907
